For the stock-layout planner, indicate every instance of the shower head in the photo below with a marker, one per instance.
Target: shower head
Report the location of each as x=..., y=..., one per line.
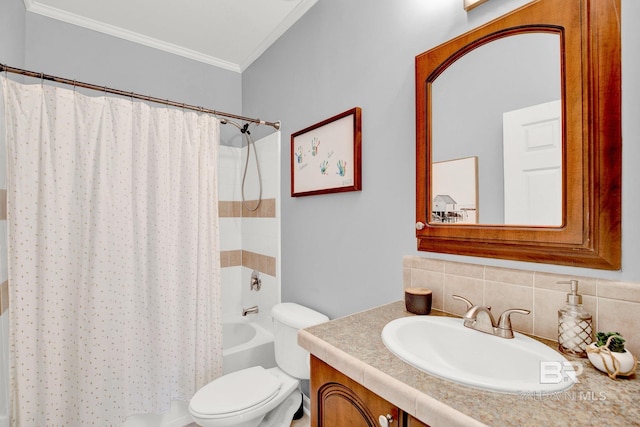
x=225, y=121
x=244, y=128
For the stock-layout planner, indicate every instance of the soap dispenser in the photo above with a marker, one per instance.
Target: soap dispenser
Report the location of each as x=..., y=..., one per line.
x=575, y=330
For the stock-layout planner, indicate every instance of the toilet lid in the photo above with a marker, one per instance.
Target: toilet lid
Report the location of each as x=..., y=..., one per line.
x=236, y=391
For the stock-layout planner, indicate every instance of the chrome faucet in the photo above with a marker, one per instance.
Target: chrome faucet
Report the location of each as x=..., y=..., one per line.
x=481, y=319
x=256, y=281
x=250, y=310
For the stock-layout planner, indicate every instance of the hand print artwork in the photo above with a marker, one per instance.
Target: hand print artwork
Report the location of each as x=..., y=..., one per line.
x=332, y=150
x=323, y=167
x=314, y=146
x=298, y=154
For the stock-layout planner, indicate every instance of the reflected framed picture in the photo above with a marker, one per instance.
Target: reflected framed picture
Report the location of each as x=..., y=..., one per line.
x=326, y=157
x=454, y=186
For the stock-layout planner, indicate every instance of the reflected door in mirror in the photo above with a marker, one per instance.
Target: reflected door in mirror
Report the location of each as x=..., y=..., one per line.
x=533, y=165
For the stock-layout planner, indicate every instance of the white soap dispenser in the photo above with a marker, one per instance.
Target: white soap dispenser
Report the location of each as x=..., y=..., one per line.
x=575, y=328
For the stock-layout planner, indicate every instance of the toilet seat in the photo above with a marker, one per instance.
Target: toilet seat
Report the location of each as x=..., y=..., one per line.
x=235, y=393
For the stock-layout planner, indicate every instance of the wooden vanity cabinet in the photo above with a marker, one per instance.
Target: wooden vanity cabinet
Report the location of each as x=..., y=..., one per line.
x=337, y=401
x=413, y=422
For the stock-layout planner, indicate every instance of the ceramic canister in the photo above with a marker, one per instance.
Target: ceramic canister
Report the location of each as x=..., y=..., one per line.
x=418, y=300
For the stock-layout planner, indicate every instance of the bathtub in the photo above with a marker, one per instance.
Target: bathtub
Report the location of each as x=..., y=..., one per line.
x=246, y=341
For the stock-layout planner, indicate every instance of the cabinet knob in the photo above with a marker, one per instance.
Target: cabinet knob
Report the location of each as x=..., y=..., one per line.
x=385, y=420
x=419, y=225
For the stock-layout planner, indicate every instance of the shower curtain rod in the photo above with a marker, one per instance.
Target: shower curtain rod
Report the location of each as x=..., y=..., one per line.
x=106, y=89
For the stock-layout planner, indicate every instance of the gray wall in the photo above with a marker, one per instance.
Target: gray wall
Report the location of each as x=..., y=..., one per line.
x=12, y=30
x=343, y=253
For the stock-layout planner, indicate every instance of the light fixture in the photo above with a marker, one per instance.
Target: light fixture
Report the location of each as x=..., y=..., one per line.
x=470, y=4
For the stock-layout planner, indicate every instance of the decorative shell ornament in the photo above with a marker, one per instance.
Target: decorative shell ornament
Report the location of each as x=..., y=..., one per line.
x=615, y=363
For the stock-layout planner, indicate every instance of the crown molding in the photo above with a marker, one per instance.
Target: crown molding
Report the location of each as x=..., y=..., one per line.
x=71, y=18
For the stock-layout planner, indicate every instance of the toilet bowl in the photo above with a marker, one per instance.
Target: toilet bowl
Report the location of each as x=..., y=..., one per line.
x=257, y=396
x=242, y=398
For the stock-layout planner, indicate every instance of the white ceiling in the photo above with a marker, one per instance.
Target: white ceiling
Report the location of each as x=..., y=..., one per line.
x=230, y=34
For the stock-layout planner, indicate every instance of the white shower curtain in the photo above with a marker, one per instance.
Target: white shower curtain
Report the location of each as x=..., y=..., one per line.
x=113, y=256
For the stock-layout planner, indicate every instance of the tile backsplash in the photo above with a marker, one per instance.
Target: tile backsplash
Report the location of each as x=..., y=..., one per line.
x=615, y=306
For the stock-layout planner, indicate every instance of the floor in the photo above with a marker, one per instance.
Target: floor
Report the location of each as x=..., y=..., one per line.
x=302, y=422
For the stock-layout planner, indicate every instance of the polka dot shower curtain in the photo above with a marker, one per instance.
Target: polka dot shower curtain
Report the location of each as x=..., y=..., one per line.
x=114, y=264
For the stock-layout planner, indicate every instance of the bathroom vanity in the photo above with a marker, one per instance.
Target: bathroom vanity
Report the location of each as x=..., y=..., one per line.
x=354, y=377
x=339, y=398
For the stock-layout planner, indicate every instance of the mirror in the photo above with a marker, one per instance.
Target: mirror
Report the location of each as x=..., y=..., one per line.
x=490, y=104
x=548, y=75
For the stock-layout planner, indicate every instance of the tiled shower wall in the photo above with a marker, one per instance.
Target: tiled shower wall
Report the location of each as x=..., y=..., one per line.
x=615, y=306
x=250, y=240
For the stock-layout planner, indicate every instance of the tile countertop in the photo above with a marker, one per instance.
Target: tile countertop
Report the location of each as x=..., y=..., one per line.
x=353, y=345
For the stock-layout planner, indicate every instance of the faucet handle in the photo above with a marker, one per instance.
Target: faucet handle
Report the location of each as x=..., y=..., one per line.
x=505, y=318
x=463, y=299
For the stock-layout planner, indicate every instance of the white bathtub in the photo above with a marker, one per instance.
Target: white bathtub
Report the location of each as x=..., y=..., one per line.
x=247, y=341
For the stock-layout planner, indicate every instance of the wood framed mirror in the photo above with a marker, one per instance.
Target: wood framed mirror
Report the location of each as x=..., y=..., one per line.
x=464, y=110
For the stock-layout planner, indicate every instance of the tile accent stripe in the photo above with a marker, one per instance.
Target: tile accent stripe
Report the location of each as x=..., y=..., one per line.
x=230, y=258
x=263, y=263
x=235, y=209
x=229, y=209
x=267, y=209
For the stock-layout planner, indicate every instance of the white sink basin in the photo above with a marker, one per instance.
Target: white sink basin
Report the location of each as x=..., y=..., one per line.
x=443, y=347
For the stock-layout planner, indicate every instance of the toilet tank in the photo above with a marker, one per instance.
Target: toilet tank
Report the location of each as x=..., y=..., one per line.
x=288, y=319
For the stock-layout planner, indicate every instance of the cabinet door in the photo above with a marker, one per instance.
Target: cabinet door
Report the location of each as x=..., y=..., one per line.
x=413, y=422
x=337, y=400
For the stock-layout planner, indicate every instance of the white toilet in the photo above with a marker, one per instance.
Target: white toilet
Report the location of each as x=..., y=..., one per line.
x=248, y=397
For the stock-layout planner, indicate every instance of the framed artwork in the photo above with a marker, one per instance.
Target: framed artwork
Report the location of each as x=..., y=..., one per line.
x=326, y=157
x=454, y=186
